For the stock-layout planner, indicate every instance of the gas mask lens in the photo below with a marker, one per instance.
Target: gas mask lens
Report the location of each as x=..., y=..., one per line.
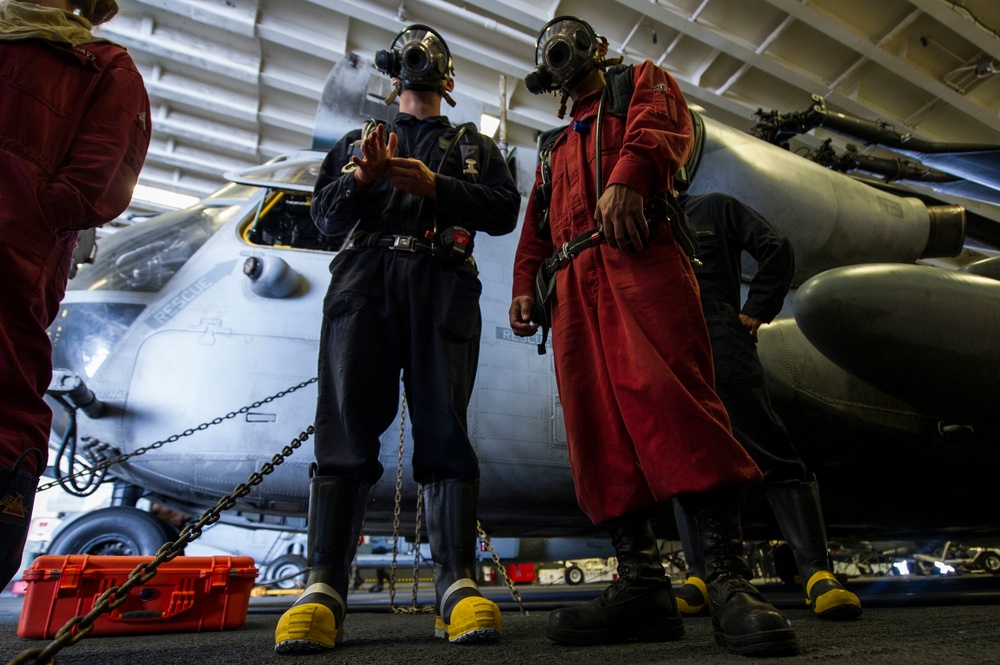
x=565, y=50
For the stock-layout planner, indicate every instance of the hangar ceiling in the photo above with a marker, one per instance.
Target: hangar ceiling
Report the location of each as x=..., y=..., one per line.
x=234, y=83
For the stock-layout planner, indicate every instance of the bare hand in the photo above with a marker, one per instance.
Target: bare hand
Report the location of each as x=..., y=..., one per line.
x=619, y=211
x=520, y=316
x=375, y=156
x=412, y=176
x=751, y=324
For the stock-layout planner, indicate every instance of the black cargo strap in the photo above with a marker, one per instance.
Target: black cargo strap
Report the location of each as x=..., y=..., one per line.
x=395, y=242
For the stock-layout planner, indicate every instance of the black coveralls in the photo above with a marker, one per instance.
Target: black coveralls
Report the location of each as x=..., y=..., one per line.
x=389, y=310
x=726, y=227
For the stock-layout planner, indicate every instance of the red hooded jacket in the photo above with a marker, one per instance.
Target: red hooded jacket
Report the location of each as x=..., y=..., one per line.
x=74, y=130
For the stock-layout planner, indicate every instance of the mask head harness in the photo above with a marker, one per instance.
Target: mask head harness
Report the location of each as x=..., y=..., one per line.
x=565, y=53
x=418, y=59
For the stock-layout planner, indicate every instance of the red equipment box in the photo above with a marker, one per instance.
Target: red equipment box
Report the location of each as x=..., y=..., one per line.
x=186, y=594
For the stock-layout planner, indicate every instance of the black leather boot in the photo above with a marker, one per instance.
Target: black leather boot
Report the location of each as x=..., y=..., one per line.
x=743, y=621
x=316, y=621
x=17, y=497
x=797, y=507
x=692, y=598
x=639, y=605
x=463, y=615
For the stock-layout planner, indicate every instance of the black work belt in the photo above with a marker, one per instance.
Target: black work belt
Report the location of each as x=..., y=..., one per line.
x=395, y=242
x=404, y=243
x=545, y=278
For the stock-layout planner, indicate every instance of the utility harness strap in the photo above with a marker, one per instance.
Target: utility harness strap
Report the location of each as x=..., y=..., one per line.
x=545, y=278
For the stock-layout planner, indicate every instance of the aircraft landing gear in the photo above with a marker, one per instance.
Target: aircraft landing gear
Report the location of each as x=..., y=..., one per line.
x=115, y=531
x=287, y=571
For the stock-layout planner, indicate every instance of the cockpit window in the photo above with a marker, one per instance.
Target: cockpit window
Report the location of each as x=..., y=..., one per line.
x=284, y=221
x=144, y=257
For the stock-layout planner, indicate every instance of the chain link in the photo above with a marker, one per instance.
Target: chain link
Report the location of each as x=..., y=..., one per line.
x=174, y=437
x=501, y=568
x=413, y=608
x=79, y=627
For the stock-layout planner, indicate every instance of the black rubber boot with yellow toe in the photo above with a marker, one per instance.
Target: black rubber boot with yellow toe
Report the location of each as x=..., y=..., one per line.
x=639, y=605
x=742, y=619
x=464, y=616
x=692, y=597
x=316, y=621
x=797, y=507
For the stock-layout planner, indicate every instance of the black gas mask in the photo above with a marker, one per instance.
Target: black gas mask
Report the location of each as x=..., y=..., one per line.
x=565, y=53
x=418, y=59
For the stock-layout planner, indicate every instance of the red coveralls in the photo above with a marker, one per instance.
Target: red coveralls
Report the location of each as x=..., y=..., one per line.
x=632, y=355
x=74, y=129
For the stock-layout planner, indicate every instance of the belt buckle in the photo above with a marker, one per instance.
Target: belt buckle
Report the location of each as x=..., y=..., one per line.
x=562, y=256
x=402, y=243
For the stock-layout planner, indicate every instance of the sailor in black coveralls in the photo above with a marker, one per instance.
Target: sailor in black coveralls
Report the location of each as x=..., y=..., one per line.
x=726, y=228
x=404, y=293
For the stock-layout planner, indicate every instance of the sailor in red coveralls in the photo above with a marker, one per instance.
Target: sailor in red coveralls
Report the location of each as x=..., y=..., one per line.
x=74, y=129
x=632, y=355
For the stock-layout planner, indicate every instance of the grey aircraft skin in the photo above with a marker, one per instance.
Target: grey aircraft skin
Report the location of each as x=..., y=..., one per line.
x=884, y=365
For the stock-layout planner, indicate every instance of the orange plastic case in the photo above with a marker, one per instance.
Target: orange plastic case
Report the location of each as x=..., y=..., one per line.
x=187, y=594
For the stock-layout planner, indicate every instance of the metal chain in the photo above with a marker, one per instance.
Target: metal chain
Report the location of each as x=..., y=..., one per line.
x=413, y=608
x=501, y=568
x=115, y=596
x=170, y=439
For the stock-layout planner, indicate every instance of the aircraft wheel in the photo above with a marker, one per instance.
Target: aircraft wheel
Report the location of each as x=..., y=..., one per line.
x=574, y=575
x=991, y=563
x=287, y=572
x=116, y=531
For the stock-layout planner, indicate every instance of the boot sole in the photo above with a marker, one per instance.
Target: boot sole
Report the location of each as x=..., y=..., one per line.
x=844, y=612
x=661, y=631
x=772, y=642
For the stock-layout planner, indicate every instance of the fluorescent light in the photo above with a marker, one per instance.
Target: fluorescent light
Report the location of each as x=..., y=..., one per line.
x=488, y=124
x=163, y=197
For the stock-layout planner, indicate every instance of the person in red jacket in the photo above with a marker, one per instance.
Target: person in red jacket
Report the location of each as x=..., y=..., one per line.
x=632, y=356
x=74, y=130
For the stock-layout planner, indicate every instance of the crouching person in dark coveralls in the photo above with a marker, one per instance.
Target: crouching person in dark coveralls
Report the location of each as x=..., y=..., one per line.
x=404, y=296
x=632, y=357
x=726, y=228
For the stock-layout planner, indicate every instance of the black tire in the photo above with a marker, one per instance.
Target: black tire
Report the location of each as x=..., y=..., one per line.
x=574, y=575
x=287, y=571
x=990, y=561
x=116, y=531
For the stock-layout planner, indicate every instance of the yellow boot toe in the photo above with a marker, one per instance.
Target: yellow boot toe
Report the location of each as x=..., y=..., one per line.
x=830, y=600
x=307, y=628
x=692, y=598
x=473, y=619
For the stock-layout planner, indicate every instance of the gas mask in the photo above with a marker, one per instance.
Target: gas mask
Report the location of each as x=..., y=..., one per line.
x=564, y=54
x=418, y=59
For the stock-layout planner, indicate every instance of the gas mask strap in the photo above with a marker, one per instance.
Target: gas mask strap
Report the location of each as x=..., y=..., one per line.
x=598, y=178
x=444, y=160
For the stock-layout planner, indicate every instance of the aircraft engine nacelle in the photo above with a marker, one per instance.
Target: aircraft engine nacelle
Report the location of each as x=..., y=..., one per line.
x=831, y=219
